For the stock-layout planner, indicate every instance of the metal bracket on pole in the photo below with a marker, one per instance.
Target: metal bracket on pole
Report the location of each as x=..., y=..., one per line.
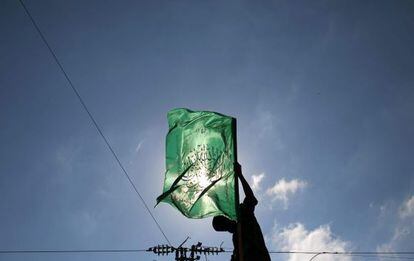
x=181, y=252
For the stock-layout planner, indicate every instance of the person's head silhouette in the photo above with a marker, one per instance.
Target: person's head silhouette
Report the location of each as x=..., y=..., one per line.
x=221, y=223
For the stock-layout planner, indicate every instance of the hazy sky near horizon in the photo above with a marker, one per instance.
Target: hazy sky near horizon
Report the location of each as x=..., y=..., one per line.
x=323, y=92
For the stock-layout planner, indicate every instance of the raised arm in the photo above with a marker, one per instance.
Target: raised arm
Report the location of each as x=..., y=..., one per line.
x=250, y=200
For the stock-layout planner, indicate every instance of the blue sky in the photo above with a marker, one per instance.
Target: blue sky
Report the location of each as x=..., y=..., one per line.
x=323, y=92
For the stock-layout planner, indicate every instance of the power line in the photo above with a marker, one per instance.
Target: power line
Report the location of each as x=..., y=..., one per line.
x=227, y=251
x=71, y=251
x=367, y=254
x=336, y=252
x=397, y=257
x=355, y=253
x=165, y=250
x=386, y=255
x=98, y=128
x=343, y=252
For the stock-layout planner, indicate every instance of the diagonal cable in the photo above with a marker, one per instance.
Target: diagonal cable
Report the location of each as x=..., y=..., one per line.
x=313, y=257
x=98, y=128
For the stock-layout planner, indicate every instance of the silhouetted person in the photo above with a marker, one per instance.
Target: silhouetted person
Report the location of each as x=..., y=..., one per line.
x=254, y=248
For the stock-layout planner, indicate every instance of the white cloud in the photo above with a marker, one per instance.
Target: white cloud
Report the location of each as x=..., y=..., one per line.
x=407, y=209
x=265, y=127
x=384, y=248
x=139, y=146
x=67, y=156
x=402, y=235
x=283, y=189
x=88, y=223
x=257, y=179
x=265, y=120
x=296, y=237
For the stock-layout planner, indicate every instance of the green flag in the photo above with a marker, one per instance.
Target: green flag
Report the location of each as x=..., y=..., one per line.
x=200, y=156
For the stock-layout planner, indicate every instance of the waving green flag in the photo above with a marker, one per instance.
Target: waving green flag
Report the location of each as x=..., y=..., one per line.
x=200, y=156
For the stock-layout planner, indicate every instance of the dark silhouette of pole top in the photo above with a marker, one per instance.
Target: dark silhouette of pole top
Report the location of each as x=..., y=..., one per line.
x=253, y=244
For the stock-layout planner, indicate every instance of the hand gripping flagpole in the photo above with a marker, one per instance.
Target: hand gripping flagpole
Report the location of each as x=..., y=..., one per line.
x=237, y=198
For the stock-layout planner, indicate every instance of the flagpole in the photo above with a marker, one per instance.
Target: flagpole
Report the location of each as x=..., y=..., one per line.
x=237, y=197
